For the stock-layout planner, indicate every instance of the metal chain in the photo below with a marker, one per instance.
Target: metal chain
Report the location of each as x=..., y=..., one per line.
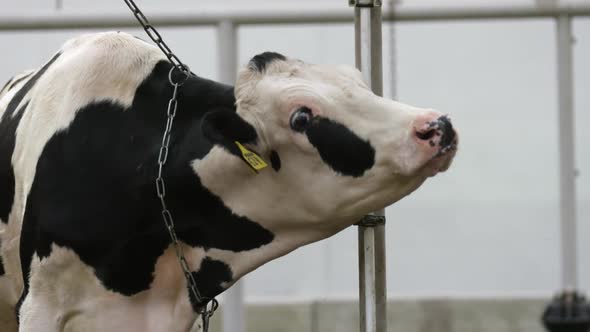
x=205, y=311
x=157, y=38
x=167, y=215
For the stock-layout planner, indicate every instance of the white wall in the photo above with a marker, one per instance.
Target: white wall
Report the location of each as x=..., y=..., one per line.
x=489, y=225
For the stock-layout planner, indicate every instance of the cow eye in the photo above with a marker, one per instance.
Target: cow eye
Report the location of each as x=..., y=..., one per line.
x=300, y=119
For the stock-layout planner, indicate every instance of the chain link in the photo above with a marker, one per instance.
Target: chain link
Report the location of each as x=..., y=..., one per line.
x=157, y=38
x=205, y=311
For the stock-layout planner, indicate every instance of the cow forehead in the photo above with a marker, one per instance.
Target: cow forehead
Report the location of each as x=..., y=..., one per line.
x=338, y=75
x=285, y=78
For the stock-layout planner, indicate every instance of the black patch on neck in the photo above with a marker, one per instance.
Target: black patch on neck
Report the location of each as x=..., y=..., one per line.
x=8, y=124
x=340, y=148
x=94, y=188
x=259, y=62
x=209, y=278
x=275, y=160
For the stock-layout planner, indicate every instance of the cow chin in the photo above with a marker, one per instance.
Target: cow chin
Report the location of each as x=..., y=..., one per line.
x=385, y=192
x=438, y=164
x=412, y=163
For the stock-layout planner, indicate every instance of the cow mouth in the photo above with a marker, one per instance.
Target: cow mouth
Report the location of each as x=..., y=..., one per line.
x=442, y=160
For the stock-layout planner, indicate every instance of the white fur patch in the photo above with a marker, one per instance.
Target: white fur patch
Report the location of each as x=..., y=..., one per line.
x=65, y=295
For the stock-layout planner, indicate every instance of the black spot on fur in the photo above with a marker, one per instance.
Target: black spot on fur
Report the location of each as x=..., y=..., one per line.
x=448, y=134
x=8, y=124
x=259, y=62
x=209, y=278
x=340, y=148
x=7, y=140
x=2, y=272
x=94, y=188
x=275, y=160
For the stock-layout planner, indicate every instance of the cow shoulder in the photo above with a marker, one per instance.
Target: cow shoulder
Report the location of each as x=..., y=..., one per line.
x=91, y=82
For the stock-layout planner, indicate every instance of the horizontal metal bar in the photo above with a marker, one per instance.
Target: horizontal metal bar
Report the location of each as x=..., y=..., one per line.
x=483, y=13
x=57, y=21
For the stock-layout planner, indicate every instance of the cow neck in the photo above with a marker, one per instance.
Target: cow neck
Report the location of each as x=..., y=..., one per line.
x=203, y=222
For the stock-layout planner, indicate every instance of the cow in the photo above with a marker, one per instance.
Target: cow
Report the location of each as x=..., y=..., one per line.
x=83, y=243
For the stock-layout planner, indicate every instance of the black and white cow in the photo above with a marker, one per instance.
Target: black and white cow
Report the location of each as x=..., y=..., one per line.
x=83, y=242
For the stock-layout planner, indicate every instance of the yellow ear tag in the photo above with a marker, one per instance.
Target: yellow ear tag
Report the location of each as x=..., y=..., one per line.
x=251, y=158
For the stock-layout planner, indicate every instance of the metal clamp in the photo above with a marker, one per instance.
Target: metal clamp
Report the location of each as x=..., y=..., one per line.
x=371, y=220
x=365, y=3
x=567, y=310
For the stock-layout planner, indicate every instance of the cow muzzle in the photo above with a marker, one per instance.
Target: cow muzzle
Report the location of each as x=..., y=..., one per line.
x=437, y=140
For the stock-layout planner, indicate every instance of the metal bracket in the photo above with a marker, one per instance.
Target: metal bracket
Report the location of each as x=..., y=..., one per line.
x=371, y=220
x=569, y=311
x=365, y=3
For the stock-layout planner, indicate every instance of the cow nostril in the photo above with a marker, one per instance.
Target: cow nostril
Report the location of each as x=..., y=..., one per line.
x=426, y=135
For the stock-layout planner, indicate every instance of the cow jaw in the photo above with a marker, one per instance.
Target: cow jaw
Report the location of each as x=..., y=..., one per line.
x=293, y=199
x=296, y=211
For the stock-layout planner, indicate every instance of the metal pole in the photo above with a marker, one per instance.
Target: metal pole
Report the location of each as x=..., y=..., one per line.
x=392, y=51
x=228, y=51
x=567, y=171
x=233, y=304
x=371, y=232
x=569, y=310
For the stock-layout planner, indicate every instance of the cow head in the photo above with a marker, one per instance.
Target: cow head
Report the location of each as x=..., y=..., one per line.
x=337, y=150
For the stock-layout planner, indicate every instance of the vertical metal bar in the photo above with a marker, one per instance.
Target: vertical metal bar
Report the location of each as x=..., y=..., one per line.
x=380, y=275
x=393, y=80
x=367, y=289
x=371, y=232
x=233, y=309
x=227, y=44
x=372, y=275
x=567, y=171
x=233, y=304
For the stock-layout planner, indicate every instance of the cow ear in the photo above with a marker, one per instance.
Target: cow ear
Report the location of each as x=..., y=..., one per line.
x=260, y=61
x=225, y=127
x=228, y=129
